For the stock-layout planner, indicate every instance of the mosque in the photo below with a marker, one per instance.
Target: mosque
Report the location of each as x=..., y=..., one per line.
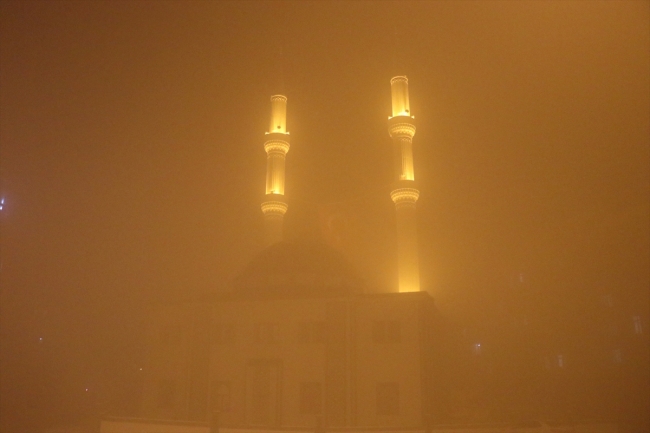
x=299, y=340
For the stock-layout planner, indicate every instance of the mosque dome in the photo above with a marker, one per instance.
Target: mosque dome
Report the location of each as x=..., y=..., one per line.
x=297, y=269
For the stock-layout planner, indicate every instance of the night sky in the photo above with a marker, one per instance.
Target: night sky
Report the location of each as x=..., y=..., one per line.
x=132, y=165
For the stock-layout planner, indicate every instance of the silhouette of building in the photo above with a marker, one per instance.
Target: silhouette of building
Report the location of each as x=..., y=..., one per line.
x=300, y=341
x=296, y=340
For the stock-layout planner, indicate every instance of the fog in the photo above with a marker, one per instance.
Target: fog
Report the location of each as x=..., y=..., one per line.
x=132, y=170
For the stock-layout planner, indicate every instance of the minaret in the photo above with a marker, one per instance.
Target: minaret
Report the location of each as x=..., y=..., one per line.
x=276, y=146
x=401, y=128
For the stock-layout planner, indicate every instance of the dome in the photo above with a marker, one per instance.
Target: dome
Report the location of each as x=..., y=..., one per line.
x=288, y=269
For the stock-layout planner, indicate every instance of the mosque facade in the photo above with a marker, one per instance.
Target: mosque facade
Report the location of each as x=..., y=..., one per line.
x=300, y=341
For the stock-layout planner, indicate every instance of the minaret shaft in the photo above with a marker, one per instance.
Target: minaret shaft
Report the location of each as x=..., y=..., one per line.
x=401, y=128
x=407, y=248
x=278, y=114
x=275, y=174
x=404, y=159
x=276, y=146
x=400, y=96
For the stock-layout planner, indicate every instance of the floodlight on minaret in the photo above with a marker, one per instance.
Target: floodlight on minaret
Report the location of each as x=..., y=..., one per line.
x=401, y=128
x=276, y=146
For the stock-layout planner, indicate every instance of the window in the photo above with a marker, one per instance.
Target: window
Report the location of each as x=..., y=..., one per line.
x=386, y=331
x=166, y=394
x=311, y=332
x=266, y=333
x=617, y=356
x=638, y=328
x=220, y=396
x=224, y=333
x=560, y=361
x=607, y=300
x=311, y=396
x=388, y=398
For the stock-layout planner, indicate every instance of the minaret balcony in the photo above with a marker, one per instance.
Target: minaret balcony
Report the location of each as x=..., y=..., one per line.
x=277, y=144
x=274, y=207
x=401, y=126
x=405, y=191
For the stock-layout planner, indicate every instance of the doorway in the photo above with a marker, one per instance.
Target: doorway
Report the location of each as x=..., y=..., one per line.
x=263, y=384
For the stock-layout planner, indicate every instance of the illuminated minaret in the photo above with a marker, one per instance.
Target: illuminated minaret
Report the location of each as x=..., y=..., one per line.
x=401, y=128
x=276, y=146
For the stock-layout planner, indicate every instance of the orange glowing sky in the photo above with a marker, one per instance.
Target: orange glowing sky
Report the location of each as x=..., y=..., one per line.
x=132, y=160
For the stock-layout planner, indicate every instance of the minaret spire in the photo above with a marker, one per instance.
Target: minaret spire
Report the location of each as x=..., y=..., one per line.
x=276, y=146
x=401, y=128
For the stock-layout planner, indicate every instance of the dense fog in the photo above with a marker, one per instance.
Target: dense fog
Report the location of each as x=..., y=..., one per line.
x=132, y=170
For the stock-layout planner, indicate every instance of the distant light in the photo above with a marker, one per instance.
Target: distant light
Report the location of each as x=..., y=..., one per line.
x=40, y=338
x=140, y=368
x=86, y=389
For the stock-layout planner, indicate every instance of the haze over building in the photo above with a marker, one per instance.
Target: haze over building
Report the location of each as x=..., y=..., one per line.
x=301, y=340
x=132, y=172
